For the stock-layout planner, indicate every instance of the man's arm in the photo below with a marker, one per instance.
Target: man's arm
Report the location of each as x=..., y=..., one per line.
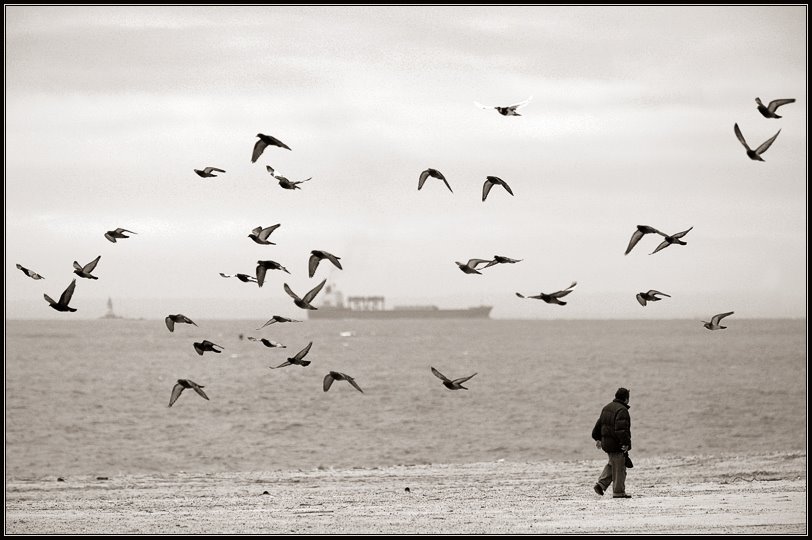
x=623, y=428
x=596, y=431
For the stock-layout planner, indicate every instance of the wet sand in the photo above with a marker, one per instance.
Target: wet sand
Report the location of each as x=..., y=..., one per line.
x=757, y=493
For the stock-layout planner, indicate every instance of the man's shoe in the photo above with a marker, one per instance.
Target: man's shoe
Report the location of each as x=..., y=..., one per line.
x=624, y=496
x=599, y=489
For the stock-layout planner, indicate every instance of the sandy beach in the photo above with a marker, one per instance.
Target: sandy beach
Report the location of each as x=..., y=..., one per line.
x=756, y=493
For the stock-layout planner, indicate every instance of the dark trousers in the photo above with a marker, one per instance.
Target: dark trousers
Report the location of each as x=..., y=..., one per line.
x=614, y=473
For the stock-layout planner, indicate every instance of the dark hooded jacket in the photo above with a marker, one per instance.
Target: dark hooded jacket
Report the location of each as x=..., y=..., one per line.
x=613, y=428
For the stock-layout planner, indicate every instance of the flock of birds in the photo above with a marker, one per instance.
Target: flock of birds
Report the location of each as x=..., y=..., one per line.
x=261, y=235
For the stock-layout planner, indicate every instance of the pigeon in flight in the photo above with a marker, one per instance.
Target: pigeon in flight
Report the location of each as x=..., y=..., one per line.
x=434, y=173
x=673, y=239
x=456, y=384
x=316, y=257
x=181, y=385
x=336, y=376
x=510, y=110
x=769, y=110
x=84, y=271
x=268, y=343
x=264, y=141
x=118, y=233
x=297, y=359
x=714, y=322
x=650, y=296
x=264, y=266
x=493, y=181
x=470, y=266
x=260, y=235
x=284, y=182
x=207, y=345
x=207, y=172
x=498, y=259
x=245, y=278
x=179, y=318
x=641, y=231
x=552, y=298
x=304, y=302
x=755, y=155
x=277, y=319
x=29, y=273
x=64, y=300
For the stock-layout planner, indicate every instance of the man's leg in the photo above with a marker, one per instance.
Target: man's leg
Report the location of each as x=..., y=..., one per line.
x=606, y=476
x=618, y=464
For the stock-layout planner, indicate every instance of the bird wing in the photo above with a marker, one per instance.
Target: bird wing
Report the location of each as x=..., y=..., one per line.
x=560, y=294
x=641, y=299
x=283, y=364
x=176, y=391
x=272, y=321
x=198, y=347
x=681, y=233
x=490, y=263
x=256, y=230
x=739, y=135
x=89, y=267
x=481, y=106
x=353, y=383
x=290, y=293
x=226, y=275
x=664, y=244
x=187, y=320
x=521, y=103
x=716, y=318
x=333, y=259
x=68, y=293
x=472, y=263
x=766, y=144
x=49, y=299
x=107, y=235
x=422, y=179
x=445, y=182
x=199, y=389
x=520, y=295
x=261, y=274
x=301, y=354
x=170, y=324
x=328, y=381
x=462, y=379
x=313, y=292
x=77, y=266
x=259, y=147
x=277, y=142
x=486, y=188
x=653, y=292
x=210, y=169
x=774, y=104
x=440, y=375
x=507, y=187
x=266, y=232
x=312, y=264
x=270, y=170
x=120, y=230
x=636, y=236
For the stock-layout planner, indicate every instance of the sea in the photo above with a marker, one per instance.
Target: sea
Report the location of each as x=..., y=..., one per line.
x=91, y=396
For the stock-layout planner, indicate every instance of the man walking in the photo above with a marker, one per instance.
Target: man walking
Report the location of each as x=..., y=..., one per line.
x=613, y=434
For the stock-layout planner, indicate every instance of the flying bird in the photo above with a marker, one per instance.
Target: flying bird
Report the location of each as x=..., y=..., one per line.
x=650, y=296
x=260, y=235
x=434, y=173
x=186, y=383
x=64, y=300
x=285, y=182
x=336, y=376
x=493, y=181
x=29, y=273
x=304, y=302
x=207, y=345
x=277, y=319
x=297, y=359
x=769, y=110
x=264, y=141
x=672, y=239
x=84, y=271
x=755, y=155
x=470, y=266
x=498, y=259
x=714, y=322
x=316, y=257
x=207, y=172
x=264, y=266
x=179, y=318
x=510, y=110
x=268, y=343
x=552, y=298
x=456, y=384
x=245, y=278
x=641, y=231
x=118, y=233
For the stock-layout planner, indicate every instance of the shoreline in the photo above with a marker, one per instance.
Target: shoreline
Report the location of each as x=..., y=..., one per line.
x=726, y=493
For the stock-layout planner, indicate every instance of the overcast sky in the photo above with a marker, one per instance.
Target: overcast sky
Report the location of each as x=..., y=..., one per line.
x=109, y=109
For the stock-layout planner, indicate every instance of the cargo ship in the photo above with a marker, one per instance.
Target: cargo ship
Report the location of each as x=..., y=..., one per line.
x=334, y=306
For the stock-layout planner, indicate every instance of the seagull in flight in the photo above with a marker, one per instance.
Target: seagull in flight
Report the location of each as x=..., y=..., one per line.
x=470, y=266
x=316, y=257
x=769, y=110
x=672, y=239
x=499, y=259
x=714, y=322
x=650, y=296
x=262, y=143
x=245, y=278
x=207, y=172
x=297, y=359
x=755, y=155
x=118, y=233
x=264, y=266
x=277, y=319
x=434, y=173
x=268, y=343
x=260, y=235
x=183, y=384
x=456, y=384
x=336, y=376
x=64, y=300
x=29, y=273
x=510, y=110
x=493, y=181
x=641, y=231
x=206, y=345
x=84, y=271
x=552, y=298
x=179, y=318
x=304, y=302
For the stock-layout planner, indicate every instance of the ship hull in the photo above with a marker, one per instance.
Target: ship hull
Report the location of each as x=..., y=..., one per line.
x=481, y=312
